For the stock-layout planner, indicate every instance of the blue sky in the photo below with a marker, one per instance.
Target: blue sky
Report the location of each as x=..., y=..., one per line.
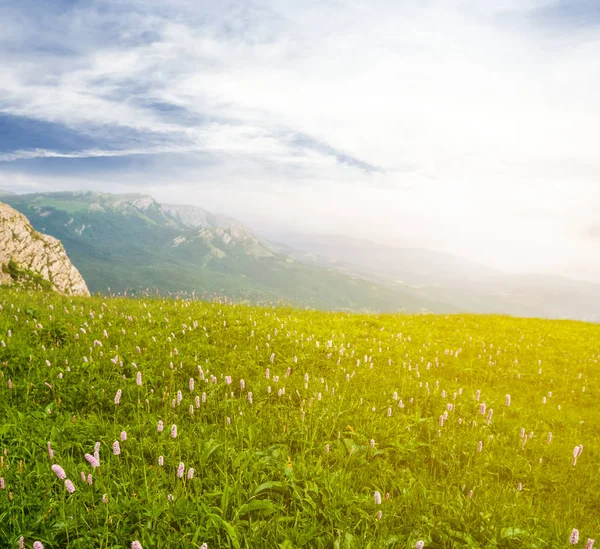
x=460, y=125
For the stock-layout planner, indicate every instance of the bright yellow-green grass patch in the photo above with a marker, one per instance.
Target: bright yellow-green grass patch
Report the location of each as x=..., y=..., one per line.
x=292, y=423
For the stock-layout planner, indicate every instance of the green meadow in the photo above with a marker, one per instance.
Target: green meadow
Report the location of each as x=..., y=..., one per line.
x=301, y=429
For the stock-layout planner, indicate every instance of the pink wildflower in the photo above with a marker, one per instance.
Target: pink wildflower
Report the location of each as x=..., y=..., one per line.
x=138, y=379
x=180, y=470
x=420, y=544
x=589, y=544
x=160, y=426
x=60, y=472
x=377, y=498
x=190, y=473
x=118, y=397
x=90, y=479
x=69, y=486
x=174, y=431
x=123, y=435
x=574, y=538
x=136, y=545
x=116, y=448
x=38, y=545
x=94, y=462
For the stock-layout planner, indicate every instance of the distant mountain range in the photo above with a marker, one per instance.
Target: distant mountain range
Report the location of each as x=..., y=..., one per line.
x=131, y=243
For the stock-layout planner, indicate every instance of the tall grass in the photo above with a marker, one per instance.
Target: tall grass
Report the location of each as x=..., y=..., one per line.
x=351, y=405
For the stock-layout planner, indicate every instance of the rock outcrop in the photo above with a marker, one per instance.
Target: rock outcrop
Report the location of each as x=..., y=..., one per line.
x=33, y=251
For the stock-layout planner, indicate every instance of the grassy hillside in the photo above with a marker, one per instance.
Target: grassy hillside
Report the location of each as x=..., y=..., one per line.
x=292, y=423
x=128, y=244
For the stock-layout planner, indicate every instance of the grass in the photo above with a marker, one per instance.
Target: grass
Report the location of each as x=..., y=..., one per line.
x=377, y=386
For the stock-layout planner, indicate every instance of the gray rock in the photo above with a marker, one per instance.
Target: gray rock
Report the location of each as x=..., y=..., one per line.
x=40, y=253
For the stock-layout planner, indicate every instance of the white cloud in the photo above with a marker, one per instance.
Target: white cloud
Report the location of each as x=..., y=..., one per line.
x=484, y=122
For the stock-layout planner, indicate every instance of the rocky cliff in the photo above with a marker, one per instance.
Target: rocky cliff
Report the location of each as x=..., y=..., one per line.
x=29, y=250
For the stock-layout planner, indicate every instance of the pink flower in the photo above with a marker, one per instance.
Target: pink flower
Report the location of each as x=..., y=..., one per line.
x=104, y=498
x=94, y=462
x=161, y=460
x=60, y=472
x=377, y=498
x=589, y=544
x=138, y=378
x=37, y=545
x=480, y=446
x=116, y=448
x=118, y=397
x=191, y=383
x=90, y=479
x=123, y=435
x=136, y=545
x=378, y=515
x=174, y=431
x=574, y=538
x=420, y=544
x=190, y=473
x=180, y=470
x=21, y=542
x=1, y=483
x=69, y=486
x=160, y=426
x=50, y=452
x=507, y=400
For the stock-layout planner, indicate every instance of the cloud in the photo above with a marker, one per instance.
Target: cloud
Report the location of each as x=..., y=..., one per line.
x=453, y=123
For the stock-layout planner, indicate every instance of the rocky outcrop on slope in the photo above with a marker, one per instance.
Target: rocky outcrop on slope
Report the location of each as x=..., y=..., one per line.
x=23, y=247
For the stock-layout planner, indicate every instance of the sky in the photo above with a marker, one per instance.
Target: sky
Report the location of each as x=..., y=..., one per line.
x=467, y=126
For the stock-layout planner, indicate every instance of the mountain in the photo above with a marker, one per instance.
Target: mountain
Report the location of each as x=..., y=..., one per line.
x=131, y=243
x=446, y=278
x=29, y=257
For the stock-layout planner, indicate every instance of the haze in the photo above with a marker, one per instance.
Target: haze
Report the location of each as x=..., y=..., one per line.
x=459, y=125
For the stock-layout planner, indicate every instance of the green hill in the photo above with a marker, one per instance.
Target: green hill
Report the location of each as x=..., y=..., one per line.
x=303, y=429
x=130, y=243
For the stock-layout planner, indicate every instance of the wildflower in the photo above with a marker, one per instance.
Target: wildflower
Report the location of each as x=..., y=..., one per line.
x=205, y=546
x=372, y=443
x=197, y=401
x=377, y=498
x=190, y=473
x=170, y=497
x=174, y=431
x=179, y=397
x=482, y=407
x=138, y=378
x=574, y=538
x=589, y=544
x=480, y=446
x=420, y=544
x=507, y=400
x=136, y=545
x=38, y=545
x=161, y=461
x=93, y=461
x=1, y=483
x=104, y=498
x=118, y=397
x=520, y=487
x=378, y=515
x=82, y=476
x=326, y=448
x=123, y=435
x=161, y=426
x=191, y=385
x=21, y=542
x=242, y=384
x=180, y=470
x=60, y=472
x=116, y=448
